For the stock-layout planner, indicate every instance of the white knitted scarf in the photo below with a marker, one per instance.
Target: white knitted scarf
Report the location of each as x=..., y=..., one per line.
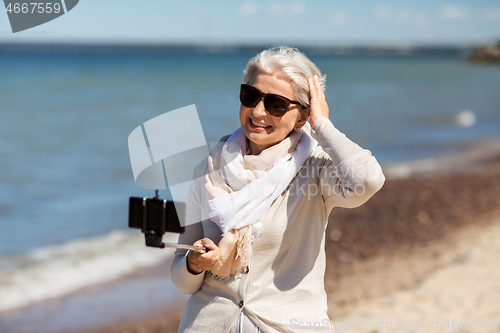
x=242, y=187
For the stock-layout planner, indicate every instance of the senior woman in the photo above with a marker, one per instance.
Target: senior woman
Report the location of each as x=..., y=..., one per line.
x=263, y=197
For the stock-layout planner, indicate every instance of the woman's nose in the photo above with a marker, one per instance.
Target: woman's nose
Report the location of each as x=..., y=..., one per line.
x=259, y=110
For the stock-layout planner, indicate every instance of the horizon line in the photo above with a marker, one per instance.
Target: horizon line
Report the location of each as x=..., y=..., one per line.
x=327, y=48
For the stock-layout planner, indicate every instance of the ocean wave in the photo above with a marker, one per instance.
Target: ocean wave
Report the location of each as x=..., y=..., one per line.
x=61, y=269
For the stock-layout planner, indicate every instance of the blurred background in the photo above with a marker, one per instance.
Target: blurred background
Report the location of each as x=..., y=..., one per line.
x=416, y=82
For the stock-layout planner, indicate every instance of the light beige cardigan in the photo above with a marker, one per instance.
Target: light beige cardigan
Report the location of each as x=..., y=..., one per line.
x=284, y=287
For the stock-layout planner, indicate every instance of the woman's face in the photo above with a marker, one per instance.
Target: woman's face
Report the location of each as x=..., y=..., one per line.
x=277, y=128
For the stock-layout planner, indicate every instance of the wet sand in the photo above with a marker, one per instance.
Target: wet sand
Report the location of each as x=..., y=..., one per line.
x=423, y=249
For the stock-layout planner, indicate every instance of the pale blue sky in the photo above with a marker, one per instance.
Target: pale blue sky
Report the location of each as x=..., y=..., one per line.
x=251, y=22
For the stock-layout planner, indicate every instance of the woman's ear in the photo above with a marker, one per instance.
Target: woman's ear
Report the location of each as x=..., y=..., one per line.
x=304, y=115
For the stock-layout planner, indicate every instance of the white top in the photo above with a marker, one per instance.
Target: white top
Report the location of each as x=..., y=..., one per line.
x=285, y=282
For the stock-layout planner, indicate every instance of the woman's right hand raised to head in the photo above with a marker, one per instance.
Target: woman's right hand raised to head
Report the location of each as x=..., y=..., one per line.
x=198, y=262
x=319, y=107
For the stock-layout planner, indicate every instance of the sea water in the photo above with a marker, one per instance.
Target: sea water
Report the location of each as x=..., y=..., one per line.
x=65, y=173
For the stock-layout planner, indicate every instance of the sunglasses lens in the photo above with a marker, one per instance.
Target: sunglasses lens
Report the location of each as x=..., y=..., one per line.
x=249, y=96
x=276, y=105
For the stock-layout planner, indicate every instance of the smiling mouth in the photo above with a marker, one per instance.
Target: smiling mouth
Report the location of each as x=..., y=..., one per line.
x=258, y=125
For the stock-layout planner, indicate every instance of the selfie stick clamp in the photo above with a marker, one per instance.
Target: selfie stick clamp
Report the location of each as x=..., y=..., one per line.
x=153, y=239
x=154, y=236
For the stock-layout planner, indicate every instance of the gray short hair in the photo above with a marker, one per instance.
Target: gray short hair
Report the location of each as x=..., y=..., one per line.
x=290, y=63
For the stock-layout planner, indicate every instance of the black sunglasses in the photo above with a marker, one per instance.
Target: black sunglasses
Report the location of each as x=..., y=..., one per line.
x=275, y=105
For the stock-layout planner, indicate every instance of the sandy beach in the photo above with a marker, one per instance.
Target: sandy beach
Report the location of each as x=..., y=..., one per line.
x=420, y=255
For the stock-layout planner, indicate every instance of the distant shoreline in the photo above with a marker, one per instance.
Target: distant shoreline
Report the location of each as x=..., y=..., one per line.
x=404, y=51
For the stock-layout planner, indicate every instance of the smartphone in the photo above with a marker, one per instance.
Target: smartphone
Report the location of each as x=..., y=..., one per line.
x=156, y=215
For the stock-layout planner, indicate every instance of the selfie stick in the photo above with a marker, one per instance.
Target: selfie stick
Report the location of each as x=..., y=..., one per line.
x=187, y=247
